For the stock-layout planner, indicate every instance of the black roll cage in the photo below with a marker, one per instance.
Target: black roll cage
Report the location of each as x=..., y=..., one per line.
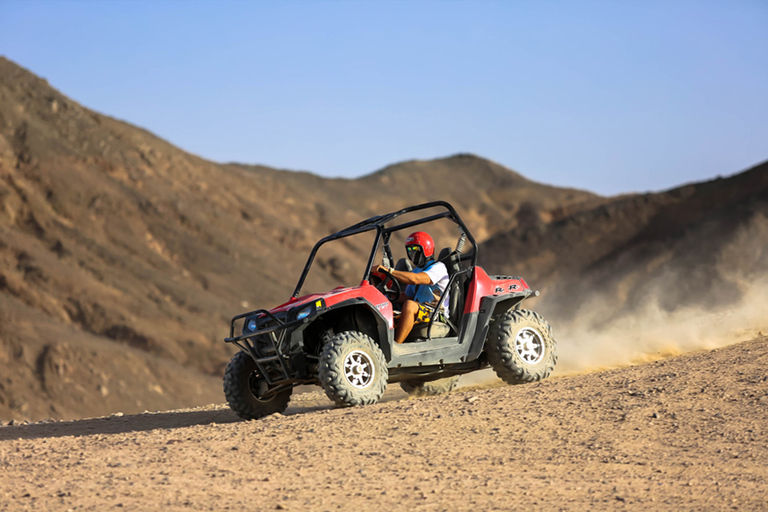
x=383, y=233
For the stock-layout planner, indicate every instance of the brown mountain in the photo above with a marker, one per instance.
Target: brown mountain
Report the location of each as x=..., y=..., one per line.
x=703, y=245
x=122, y=258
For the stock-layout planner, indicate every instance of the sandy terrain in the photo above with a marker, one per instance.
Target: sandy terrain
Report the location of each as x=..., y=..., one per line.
x=685, y=433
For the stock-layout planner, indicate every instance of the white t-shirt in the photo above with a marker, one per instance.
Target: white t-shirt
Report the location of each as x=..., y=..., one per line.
x=430, y=293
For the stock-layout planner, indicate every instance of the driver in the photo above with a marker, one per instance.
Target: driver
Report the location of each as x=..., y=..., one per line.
x=426, y=284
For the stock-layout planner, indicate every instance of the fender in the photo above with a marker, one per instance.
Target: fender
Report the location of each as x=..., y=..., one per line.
x=489, y=308
x=483, y=285
x=380, y=311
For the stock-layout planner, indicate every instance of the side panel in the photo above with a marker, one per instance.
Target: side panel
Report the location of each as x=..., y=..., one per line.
x=485, y=296
x=436, y=352
x=482, y=286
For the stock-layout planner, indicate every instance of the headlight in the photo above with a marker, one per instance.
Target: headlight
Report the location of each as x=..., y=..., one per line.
x=251, y=325
x=304, y=313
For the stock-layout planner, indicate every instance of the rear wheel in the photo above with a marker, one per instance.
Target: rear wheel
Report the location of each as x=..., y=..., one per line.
x=431, y=388
x=247, y=390
x=521, y=347
x=352, y=369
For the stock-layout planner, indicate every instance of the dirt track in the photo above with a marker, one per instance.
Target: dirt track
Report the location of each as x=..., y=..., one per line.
x=687, y=433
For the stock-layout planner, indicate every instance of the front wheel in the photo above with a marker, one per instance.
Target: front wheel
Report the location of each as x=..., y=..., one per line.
x=521, y=347
x=247, y=390
x=352, y=369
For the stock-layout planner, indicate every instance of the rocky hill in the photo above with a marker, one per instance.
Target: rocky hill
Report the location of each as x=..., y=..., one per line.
x=690, y=240
x=652, y=270
x=122, y=258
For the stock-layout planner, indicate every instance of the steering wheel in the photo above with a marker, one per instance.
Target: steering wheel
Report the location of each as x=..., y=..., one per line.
x=388, y=286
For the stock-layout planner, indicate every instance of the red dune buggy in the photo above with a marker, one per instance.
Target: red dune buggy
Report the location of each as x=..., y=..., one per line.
x=343, y=340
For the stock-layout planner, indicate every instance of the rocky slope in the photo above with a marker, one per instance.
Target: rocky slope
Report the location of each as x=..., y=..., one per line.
x=122, y=258
x=118, y=249
x=702, y=243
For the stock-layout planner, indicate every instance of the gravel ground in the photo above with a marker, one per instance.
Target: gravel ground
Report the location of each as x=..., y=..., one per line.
x=685, y=433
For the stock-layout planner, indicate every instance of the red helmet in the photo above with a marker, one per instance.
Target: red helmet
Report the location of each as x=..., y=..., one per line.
x=420, y=247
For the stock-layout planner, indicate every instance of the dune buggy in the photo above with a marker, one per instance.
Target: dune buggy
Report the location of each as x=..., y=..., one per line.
x=343, y=340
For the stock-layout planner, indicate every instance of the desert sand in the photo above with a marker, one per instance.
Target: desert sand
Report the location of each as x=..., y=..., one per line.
x=683, y=433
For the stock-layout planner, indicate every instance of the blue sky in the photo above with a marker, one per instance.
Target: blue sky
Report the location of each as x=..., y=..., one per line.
x=606, y=96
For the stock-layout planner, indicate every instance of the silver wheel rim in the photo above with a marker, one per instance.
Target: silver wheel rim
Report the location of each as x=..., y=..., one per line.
x=359, y=369
x=529, y=345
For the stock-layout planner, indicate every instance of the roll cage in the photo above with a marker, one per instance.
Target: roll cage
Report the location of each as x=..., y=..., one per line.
x=383, y=233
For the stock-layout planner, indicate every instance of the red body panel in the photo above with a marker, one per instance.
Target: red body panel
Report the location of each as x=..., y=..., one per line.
x=365, y=291
x=483, y=286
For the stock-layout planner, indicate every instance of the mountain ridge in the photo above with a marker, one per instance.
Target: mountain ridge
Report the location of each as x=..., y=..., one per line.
x=116, y=246
x=111, y=233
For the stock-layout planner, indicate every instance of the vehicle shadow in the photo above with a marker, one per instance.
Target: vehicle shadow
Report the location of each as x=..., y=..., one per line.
x=302, y=403
x=137, y=422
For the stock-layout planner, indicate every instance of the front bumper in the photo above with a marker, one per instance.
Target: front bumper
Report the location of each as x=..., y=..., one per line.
x=268, y=345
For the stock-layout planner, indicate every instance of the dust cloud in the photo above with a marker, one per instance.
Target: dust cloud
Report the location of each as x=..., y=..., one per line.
x=652, y=333
x=736, y=309
x=609, y=331
x=647, y=334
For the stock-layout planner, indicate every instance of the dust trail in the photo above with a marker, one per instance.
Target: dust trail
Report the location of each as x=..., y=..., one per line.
x=737, y=308
x=608, y=330
x=648, y=334
x=653, y=333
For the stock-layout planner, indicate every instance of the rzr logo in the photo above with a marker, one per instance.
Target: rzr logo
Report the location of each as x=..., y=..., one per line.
x=513, y=287
x=499, y=289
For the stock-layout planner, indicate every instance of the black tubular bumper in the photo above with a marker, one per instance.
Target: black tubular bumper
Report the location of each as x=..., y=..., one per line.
x=276, y=362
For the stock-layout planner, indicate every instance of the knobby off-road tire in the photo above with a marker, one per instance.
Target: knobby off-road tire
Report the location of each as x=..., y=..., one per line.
x=352, y=369
x=521, y=347
x=243, y=385
x=430, y=388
